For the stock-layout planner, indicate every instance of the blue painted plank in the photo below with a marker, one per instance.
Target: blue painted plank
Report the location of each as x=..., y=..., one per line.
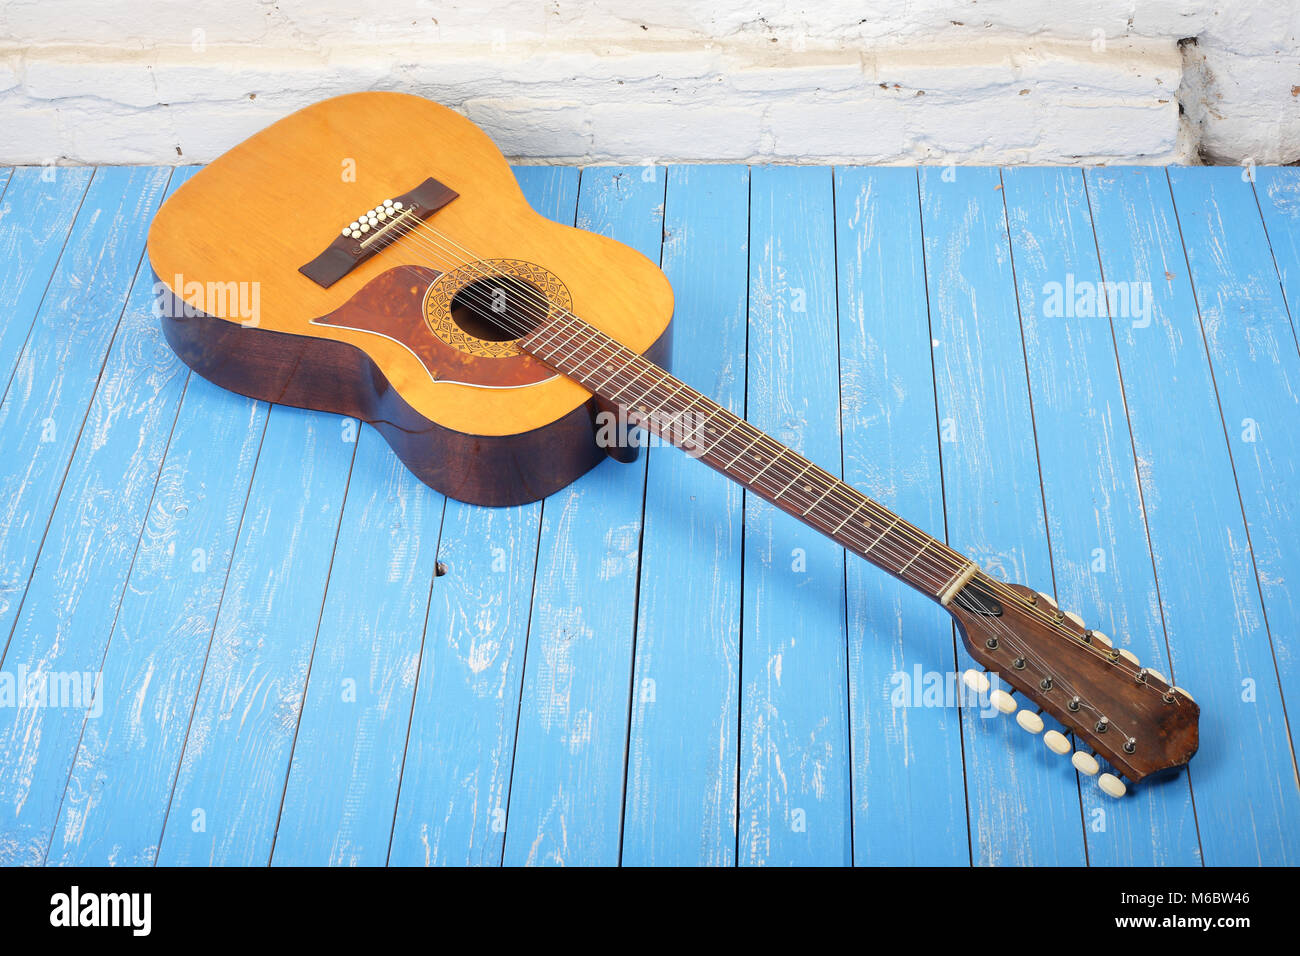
x=1277, y=189
x=46, y=404
x=1256, y=370
x=358, y=702
x=1024, y=804
x=68, y=609
x=1247, y=806
x=120, y=786
x=907, y=759
x=794, y=749
x=681, y=788
x=456, y=778
x=36, y=213
x=1256, y=367
x=233, y=771
x=1100, y=552
x=566, y=794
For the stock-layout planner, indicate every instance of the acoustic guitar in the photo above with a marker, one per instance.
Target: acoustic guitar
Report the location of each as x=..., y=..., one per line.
x=373, y=256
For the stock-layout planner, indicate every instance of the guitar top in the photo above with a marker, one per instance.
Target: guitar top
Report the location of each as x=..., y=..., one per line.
x=373, y=256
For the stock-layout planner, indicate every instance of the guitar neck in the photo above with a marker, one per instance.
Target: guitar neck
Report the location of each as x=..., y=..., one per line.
x=666, y=406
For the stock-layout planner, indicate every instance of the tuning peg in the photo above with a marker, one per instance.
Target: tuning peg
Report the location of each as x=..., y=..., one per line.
x=1030, y=721
x=1152, y=672
x=1112, y=785
x=1002, y=701
x=1045, y=599
x=1130, y=657
x=1075, y=618
x=1057, y=742
x=1085, y=763
x=976, y=681
x=1179, y=690
x=1097, y=637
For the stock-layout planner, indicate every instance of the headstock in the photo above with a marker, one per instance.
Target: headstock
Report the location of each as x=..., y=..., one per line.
x=1115, y=708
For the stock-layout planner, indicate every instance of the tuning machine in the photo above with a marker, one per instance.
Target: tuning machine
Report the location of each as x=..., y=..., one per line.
x=980, y=684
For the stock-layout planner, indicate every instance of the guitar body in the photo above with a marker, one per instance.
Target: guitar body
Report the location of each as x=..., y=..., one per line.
x=394, y=341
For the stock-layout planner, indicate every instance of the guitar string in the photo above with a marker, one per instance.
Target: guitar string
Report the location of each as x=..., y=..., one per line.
x=993, y=625
x=925, y=540
x=1115, y=660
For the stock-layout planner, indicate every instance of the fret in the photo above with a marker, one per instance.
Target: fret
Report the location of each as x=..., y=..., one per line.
x=616, y=371
x=851, y=514
x=561, y=350
x=559, y=343
x=802, y=472
x=668, y=398
x=537, y=338
x=771, y=461
x=888, y=528
x=742, y=452
x=829, y=488
x=734, y=422
x=915, y=556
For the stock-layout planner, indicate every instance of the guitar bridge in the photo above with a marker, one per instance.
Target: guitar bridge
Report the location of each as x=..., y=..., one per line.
x=374, y=229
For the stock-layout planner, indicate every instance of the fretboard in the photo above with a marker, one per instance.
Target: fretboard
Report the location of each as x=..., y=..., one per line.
x=676, y=413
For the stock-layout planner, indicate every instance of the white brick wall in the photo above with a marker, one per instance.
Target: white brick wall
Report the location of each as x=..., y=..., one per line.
x=1002, y=81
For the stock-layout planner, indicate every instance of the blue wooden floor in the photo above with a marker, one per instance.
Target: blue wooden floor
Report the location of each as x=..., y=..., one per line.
x=224, y=640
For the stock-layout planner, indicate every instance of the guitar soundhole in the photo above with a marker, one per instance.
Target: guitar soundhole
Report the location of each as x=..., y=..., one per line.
x=498, y=308
x=484, y=306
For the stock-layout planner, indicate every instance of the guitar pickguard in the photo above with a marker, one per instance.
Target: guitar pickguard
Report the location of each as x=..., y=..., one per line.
x=411, y=305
